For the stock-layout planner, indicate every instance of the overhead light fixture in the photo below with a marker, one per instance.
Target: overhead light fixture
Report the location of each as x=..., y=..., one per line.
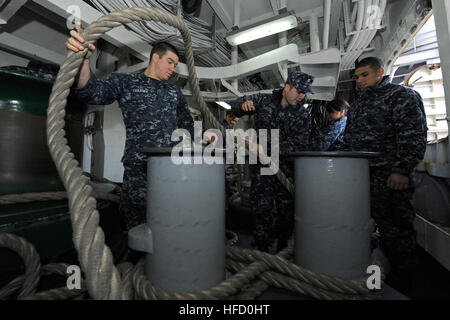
x=223, y=104
x=262, y=29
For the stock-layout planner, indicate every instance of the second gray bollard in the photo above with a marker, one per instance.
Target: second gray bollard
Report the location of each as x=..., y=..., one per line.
x=332, y=212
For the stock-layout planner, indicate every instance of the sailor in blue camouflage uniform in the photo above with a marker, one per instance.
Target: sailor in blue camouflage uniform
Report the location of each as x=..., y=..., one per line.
x=283, y=110
x=331, y=138
x=389, y=119
x=152, y=109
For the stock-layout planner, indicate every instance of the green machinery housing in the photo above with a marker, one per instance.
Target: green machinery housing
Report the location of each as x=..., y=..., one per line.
x=26, y=165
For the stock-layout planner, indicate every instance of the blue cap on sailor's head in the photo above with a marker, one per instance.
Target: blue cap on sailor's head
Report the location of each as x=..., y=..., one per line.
x=301, y=81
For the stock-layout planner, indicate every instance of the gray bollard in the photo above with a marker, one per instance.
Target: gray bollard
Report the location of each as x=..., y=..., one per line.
x=185, y=231
x=332, y=212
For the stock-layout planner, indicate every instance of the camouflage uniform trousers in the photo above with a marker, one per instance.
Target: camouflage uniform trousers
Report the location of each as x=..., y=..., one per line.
x=270, y=224
x=133, y=198
x=394, y=216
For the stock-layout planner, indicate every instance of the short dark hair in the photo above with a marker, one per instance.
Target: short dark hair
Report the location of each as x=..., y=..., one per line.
x=373, y=62
x=161, y=48
x=337, y=105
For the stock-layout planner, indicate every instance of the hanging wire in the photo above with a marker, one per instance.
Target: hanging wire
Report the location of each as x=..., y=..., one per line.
x=319, y=116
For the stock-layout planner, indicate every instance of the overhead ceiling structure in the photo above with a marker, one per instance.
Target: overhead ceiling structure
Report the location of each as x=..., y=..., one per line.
x=423, y=49
x=326, y=40
x=419, y=67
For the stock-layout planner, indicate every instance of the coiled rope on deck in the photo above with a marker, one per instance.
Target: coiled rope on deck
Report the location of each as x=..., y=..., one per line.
x=27, y=283
x=254, y=271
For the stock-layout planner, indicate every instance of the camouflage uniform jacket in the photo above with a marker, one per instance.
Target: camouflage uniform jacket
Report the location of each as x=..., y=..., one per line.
x=292, y=121
x=151, y=110
x=331, y=137
x=225, y=124
x=389, y=119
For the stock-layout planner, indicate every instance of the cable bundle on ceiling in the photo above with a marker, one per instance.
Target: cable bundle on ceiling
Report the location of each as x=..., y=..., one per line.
x=365, y=18
x=207, y=52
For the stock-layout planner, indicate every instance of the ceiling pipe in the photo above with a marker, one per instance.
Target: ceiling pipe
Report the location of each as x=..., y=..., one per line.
x=282, y=67
x=432, y=66
x=353, y=16
x=314, y=32
x=360, y=18
x=282, y=41
x=383, y=4
x=382, y=7
x=234, y=61
x=237, y=13
x=373, y=13
x=326, y=22
x=367, y=27
x=352, y=23
x=367, y=13
x=358, y=26
x=234, y=49
x=379, y=6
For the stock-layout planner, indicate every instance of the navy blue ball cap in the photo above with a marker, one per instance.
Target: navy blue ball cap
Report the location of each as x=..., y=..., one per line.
x=301, y=81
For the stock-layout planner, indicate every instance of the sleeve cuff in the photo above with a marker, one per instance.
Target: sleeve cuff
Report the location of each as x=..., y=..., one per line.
x=402, y=170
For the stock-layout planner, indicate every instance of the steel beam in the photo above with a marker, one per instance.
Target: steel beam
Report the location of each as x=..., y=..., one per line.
x=118, y=36
x=8, y=9
x=221, y=13
x=250, y=66
x=28, y=49
x=416, y=57
x=336, y=8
